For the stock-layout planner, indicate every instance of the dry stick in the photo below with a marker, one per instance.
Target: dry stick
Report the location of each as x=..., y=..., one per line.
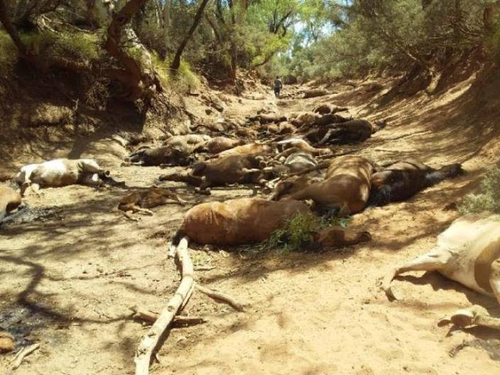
x=220, y=297
x=18, y=359
x=144, y=314
x=189, y=294
x=151, y=317
x=151, y=338
x=204, y=268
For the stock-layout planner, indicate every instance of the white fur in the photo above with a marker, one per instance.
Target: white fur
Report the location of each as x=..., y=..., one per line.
x=465, y=239
x=90, y=165
x=91, y=180
x=25, y=172
x=292, y=141
x=59, y=172
x=300, y=161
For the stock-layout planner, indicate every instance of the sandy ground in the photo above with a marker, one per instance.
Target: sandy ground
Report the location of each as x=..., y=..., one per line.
x=69, y=278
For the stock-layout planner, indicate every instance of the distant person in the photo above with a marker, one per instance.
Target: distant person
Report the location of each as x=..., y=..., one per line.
x=278, y=85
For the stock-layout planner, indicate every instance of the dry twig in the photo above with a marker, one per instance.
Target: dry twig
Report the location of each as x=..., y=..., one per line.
x=19, y=357
x=179, y=321
x=221, y=297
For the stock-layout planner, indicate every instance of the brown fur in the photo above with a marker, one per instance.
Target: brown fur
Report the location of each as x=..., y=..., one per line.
x=272, y=128
x=341, y=131
x=314, y=93
x=347, y=185
x=9, y=200
x=292, y=185
x=286, y=128
x=324, y=109
x=353, y=131
x=335, y=236
x=267, y=118
x=411, y=165
x=189, y=139
x=402, y=180
x=302, y=145
x=165, y=155
x=176, y=150
x=182, y=176
x=238, y=221
x=309, y=119
x=149, y=198
x=250, y=149
x=219, y=144
x=247, y=133
x=230, y=169
x=6, y=176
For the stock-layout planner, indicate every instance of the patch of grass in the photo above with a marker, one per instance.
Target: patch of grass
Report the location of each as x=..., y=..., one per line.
x=80, y=46
x=299, y=230
x=161, y=68
x=489, y=197
x=184, y=80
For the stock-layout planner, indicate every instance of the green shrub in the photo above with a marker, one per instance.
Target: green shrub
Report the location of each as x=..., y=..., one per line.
x=489, y=197
x=299, y=230
x=8, y=54
x=493, y=43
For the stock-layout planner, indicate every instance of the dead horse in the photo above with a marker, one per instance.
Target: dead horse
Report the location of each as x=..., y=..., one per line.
x=237, y=221
x=467, y=252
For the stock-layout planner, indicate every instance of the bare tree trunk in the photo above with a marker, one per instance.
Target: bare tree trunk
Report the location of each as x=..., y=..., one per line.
x=233, y=69
x=176, y=63
x=166, y=16
x=137, y=84
x=489, y=17
x=213, y=26
x=11, y=30
x=238, y=11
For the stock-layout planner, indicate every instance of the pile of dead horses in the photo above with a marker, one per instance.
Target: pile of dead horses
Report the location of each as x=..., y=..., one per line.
x=292, y=165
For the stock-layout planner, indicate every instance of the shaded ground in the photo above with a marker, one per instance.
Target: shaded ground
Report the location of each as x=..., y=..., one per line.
x=69, y=279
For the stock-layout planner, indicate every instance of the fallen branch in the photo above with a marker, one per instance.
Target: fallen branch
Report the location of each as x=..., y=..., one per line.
x=151, y=338
x=221, y=297
x=19, y=357
x=144, y=314
x=151, y=317
x=204, y=268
